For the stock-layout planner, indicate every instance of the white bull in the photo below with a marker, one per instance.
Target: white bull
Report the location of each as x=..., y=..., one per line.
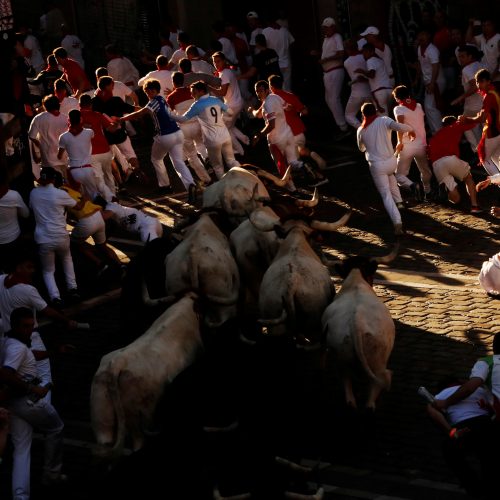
x=296, y=287
x=130, y=381
x=240, y=191
x=359, y=328
x=203, y=262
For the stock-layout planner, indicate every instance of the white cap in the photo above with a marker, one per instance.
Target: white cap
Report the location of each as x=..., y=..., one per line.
x=371, y=30
x=253, y=14
x=328, y=22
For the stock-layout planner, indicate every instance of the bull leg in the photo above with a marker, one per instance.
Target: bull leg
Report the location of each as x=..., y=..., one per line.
x=102, y=412
x=376, y=388
x=349, y=394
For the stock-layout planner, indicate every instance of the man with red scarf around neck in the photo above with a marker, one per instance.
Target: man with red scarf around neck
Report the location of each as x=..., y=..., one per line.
x=374, y=139
x=410, y=112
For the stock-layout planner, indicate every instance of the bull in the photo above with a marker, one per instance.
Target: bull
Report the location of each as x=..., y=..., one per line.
x=130, y=381
x=203, y=262
x=240, y=191
x=359, y=328
x=296, y=288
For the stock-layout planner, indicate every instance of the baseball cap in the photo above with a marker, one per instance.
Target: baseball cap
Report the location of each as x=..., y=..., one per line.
x=253, y=14
x=371, y=30
x=328, y=22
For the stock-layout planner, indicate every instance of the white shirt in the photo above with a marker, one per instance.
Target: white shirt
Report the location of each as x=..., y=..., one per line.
x=481, y=370
x=331, y=46
x=381, y=78
x=164, y=76
x=122, y=69
x=166, y=51
x=233, y=95
x=491, y=51
x=181, y=54
x=375, y=140
x=228, y=50
x=201, y=66
x=73, y=46
x=489, y=276
x=12, y=206
x=352, y=63
x=78, y=147
x=49, y=207
x=386, y=56
x=274, y=110
x=46, y=128
x=19, y=357
x=473, y=102
x=279, y=40
x=426, y=60
x=253, y=34
x=20, y=295
x=121, y=90
x=469, y=407
x=68, y=104
x=35, y=59
x=414, y=118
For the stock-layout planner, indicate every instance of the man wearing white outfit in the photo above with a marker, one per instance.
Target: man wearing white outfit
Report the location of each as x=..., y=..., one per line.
x=49, y=207
x=279, y=134
x=433, y=79
x=209, y=109
x=180, y=100
x=332, y=54
x=169, y=140
x=360, y=88
x=372, y=35
x=488, y=43
x=279, y=39
x=121, y=68
x=44, y=132
x=410, y=112
x=380, y=83
x=162, y=74
x=229, y=90
x=374, y=139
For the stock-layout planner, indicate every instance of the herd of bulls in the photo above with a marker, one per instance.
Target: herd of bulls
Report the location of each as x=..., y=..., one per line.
x=245, y=260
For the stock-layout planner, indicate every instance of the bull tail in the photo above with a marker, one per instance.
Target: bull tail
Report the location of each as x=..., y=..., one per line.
x=287, y=313
x=360, y=352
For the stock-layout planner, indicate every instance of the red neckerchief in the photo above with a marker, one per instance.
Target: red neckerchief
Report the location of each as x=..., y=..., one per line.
x=484, y=93
x=408, y=103
x=75, y=129
x=368, y=120
x=104, y=95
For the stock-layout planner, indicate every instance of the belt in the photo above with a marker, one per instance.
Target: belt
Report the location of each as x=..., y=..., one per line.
x=332, y=69
x=381, y=88
x=81, y=166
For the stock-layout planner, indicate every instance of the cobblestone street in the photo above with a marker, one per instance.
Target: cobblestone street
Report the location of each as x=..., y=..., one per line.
x=444, y=322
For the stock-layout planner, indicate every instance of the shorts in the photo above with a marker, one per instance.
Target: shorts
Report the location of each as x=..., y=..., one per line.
x=449, y=168
x=93, y=225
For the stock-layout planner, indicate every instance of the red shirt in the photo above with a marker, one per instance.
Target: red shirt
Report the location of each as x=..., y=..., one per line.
x=491, y=106
x=292, y=116
x=178, y=95
x=446, y=141
x=75, y=75
x=97, y=122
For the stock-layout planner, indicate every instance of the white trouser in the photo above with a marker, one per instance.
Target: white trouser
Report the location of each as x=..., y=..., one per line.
x=192, y=134
x=150, y=229
x=385, y=181
x=492, y=155
x=288, y=149
x=473, y=135
x=353, y=107
x=103, y=169
x=236, y=134
x=333, y=81
x=410, y=151
x=48, y=253
x=286, y=73
x=220, y=153
x=432, y=113
x=41, y=416
x=86, y=176
x=171, y=144
x=383, y=97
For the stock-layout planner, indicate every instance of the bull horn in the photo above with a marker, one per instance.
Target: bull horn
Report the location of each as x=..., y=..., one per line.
x=276, y=180
x=246, y=340
x=218, y=496
x=309, y=203
x=320, y=493
x=292, y=465
x=385, y=259
x=330, y=226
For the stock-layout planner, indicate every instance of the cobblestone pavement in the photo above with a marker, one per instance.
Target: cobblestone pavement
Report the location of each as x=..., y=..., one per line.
x=443, y=320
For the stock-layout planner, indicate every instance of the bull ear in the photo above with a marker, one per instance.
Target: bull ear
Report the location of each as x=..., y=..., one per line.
x=263, y=220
